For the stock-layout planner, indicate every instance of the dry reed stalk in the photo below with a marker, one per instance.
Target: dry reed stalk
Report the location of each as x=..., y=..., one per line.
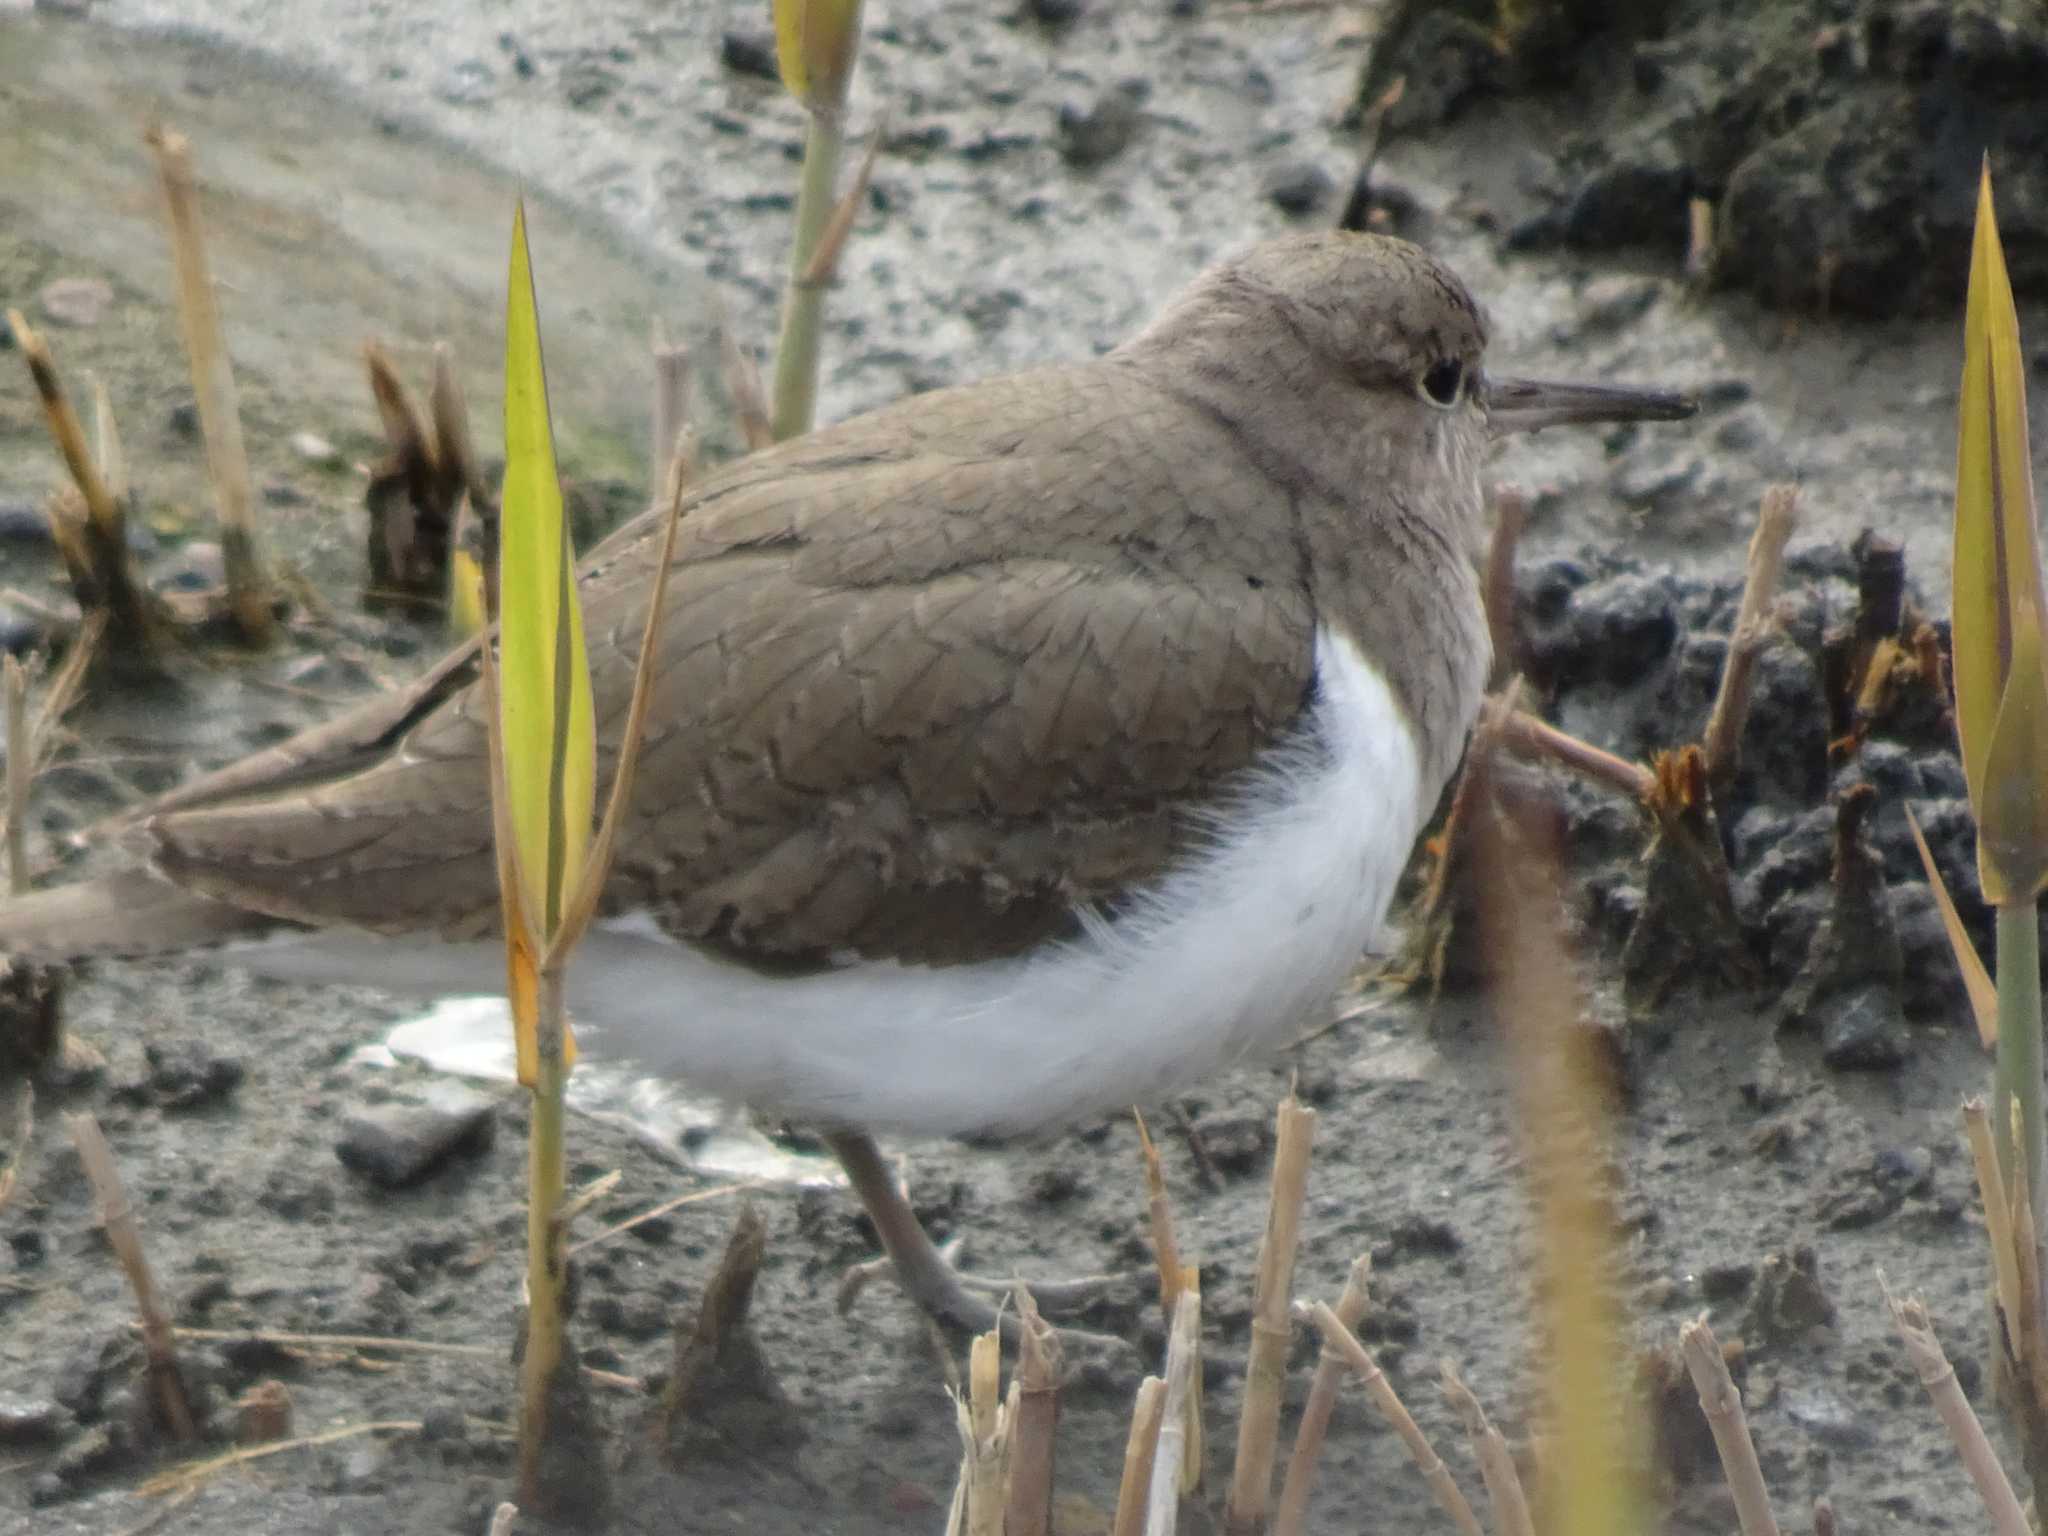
x=1134, y=1490
x=1388, y=1401
x=1930, y=1363
x=1721, y=1402
x=1258, y=1426
x=1722, y=742
x=1175, y=1442
x=1699, y=240
x=24, y=1118
x=823, y=266
x=1977, y=982
x=20, y=770
x=1034, y=1423
x=1496, y=1462
x=984, y=1421
x=693, y=1198
x=749, y=399
x=1159, y=1209
x=192, y=1473
x=1526, y=736
x=95, y=548
x=167, y=1382
x=1290, y=1515
x=669, y=409
x=2005, y=1267
x=250, y=594
x=1510, y=517
x=344, y=1345
x=503, y=1519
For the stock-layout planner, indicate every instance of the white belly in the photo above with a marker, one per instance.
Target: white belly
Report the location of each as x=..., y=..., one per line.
x=1231, y=952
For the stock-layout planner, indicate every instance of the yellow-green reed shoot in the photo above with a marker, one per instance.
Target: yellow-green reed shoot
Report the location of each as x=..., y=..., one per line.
x=543, y=797
x=815, y=44
x=2000, y=682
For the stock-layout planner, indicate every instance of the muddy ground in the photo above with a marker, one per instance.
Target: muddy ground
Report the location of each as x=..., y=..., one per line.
x=1046, y=183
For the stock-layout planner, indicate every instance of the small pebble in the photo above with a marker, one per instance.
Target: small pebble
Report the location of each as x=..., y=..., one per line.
x=397, y=1145
x=750, y=51
x=1300, y=189
x=1091, y=136
x=79, y=301
x=184, y=419
x=23, y=522
x=282, y=493
x=1055, y=13
x=29, y=1420
x=316, y=450
x=263, y=1414
x=182, y=1074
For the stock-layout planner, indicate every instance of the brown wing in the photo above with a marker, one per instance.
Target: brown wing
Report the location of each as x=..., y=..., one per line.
x=920, y=692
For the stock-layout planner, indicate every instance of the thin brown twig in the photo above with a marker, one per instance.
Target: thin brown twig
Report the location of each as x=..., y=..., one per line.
x=1722, y=741
x=1510, y=516
x=192, y=1473
x=1159, y=1209
x=1290, y=1515
x=1258, y=1425
x=824, y=263
x=1526, y=736
x=1721, y=1402
x=352, y=1342
x=1977, y=982
x=166, y=1380
x=695, y=1196
x=1388, y=1401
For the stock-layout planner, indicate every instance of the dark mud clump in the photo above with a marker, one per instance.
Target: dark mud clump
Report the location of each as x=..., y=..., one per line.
x=1836, y=141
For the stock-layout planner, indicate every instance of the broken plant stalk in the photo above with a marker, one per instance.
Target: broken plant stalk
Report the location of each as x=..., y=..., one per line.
x=95, y=547
x=1258, y=1427
x=1721, y=1402
x=166, y=1380
x=1290, y=1515
x=1722, y=742
x=1134, y=1490
x=1034, y=1423
x=1496, y=1462
x=249, y=591
x=1931, y=1365
x=1175, y=1443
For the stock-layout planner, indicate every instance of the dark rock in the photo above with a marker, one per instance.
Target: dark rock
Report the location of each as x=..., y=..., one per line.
x=282, y=493
x=23, y=522
x=1055, y=13
x=1613, y=631
x=30, y=1420
x=399, y=1144
x=94, y=1449
x=1093, y=135
x=1725, y=1282
x=750, y=51
x=1788, y=1300
x=587, y=83
x=182, y=1074
x=1850, y=988
x=1933, y=987
x=1298, y=190
x=1053, y=1186
x=1636, y=198
x=45, y=1488
x=183, y=420
x=1235, y=1145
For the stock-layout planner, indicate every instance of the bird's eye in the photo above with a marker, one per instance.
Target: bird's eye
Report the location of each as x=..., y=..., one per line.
x=1444, y=382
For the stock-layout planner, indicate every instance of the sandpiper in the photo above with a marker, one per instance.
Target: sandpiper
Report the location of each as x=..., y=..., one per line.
x=1020, y=752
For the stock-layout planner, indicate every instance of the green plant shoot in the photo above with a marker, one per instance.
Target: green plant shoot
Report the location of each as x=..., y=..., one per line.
x=546, y=721
x=2000, y=680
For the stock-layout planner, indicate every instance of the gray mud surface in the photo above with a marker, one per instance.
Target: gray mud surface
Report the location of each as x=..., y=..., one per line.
x=1043, y=188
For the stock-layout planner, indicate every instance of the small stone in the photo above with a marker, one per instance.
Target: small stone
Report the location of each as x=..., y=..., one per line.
x=199, y=567
x=263, y=1413
x=1788, y=1300
x=91, y=1450
x=46, y=1488
x=1054, y=13
x=1234, y=1144
x=1725, y=1282
x=183, y=420
x=443, y=1421
x=750, y=51
x=316, y=450
x=397, y=1145
x=1091, y=136
x=79, y=301
x=30, y=1420
x=182, y=1074
x=1657, y=483
x=587, y=83
x=1298, y=190
x=23, y=522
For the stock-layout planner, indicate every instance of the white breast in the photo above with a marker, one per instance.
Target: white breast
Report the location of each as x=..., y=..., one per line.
x=1231, y=952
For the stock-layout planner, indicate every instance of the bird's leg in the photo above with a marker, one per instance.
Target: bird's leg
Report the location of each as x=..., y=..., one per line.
x=921, y=1269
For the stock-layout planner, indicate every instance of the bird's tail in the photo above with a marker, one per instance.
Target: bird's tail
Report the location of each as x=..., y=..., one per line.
x=129, y=914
